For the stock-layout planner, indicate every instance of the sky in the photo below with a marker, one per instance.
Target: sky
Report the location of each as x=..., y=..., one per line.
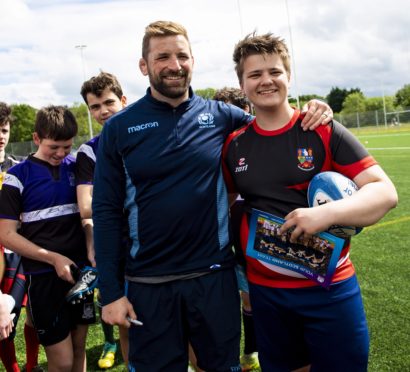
x=343, y=43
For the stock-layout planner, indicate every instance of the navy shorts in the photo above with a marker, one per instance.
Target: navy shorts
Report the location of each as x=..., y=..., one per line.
x=53, y=317
x=326, y=328
x=204, y=311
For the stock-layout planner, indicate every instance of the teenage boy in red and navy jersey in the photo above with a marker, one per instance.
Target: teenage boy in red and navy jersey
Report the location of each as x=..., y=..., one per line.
x=297, y=322
x=40, y=194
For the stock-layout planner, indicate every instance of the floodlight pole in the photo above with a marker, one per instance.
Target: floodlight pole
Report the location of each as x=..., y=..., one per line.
x=81, y=48
x=293, y=56
x=240, y=16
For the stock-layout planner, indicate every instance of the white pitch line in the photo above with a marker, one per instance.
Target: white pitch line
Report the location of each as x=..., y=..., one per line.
x=387, y=148
x=383, y=135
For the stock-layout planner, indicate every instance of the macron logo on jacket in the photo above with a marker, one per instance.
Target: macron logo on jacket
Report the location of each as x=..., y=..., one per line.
x=137, y=128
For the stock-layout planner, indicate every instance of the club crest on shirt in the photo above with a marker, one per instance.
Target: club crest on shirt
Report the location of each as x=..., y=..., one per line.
x=206, y=120
x=242, y=166
x=305, y=159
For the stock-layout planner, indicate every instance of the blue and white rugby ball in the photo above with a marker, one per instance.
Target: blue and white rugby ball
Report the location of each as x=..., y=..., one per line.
x=328, y=186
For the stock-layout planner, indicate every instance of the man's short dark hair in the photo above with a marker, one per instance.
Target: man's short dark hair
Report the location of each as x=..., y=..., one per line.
x=97, y=84
x=56, y=123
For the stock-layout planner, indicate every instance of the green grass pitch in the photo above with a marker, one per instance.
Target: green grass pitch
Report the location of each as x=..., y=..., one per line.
x=381, y=257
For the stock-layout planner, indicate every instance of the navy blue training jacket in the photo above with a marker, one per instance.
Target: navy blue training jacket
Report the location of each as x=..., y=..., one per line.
x=163, y=166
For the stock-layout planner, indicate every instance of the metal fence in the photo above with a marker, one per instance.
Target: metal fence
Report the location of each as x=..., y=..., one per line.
x=23, y=149
x=377, y=118
x=374, y=118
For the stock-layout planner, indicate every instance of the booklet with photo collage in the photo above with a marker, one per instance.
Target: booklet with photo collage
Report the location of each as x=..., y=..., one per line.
x=316, y=260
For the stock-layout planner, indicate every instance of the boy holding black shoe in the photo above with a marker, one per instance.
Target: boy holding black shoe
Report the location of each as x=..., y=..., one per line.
x=40, y=194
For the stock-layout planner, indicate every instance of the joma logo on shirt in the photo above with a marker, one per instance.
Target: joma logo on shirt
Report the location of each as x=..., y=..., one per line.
x=137, y=128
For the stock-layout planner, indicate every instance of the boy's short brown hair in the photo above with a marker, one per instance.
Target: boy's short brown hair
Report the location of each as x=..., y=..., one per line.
x=56, y=123
x=254, y=44
x=97, y=84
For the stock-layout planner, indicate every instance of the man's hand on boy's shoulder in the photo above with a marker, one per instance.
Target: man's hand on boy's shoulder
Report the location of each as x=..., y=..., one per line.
x=316, y=113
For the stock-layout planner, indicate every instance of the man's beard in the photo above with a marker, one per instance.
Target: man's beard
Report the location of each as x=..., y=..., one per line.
x=161, y=85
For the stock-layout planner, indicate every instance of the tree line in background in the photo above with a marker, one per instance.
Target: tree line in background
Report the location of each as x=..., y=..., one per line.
x=341, y=100
x=24, y=118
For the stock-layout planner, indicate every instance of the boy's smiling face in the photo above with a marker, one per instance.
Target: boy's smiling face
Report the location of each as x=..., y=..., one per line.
x=265, y=80
x=51, y=151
